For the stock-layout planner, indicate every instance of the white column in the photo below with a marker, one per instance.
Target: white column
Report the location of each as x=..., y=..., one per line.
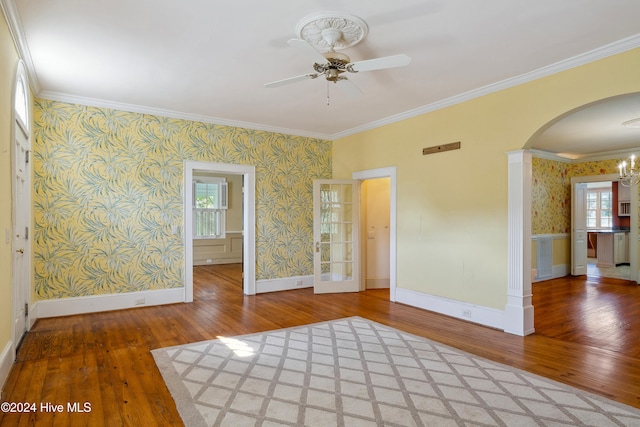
x=518, y=317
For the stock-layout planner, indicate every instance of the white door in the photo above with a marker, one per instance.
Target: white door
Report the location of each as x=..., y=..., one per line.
x=21, y=249
x=579, y=231
x=336, y=236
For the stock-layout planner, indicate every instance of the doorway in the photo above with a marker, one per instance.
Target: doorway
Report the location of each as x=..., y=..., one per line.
x=376, y=235
x=247, y=173
x=602, y=239
x=388, y=252
x=21, y=207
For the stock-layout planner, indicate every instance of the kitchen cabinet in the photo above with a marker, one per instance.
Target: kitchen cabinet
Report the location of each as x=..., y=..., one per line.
x=624, y=201
x=612, y=248
x=620, y=248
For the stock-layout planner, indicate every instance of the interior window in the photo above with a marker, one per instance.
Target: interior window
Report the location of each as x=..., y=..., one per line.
x=209, y=209
x=599, y=210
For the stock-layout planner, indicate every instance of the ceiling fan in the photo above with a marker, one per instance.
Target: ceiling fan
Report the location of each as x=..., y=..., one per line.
x=330, y=31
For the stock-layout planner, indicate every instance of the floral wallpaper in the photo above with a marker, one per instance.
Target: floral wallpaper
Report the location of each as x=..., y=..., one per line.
x=551, y=197
x=551, y=191
x=109, y=185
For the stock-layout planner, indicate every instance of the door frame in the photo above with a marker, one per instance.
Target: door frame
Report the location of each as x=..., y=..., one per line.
x=391, y=173
x=21, y=291
x=248, y=221
x=633, y=220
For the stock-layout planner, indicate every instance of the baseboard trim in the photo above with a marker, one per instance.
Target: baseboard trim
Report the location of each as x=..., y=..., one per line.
x=97, y=303
x=284, y=284
x=485, y=316
x=6, y=361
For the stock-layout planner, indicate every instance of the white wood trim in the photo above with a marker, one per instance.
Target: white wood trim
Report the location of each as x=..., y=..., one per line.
x=107, y=302
x=7, y=357
x=576, y=61
x=284, y=284
x=553, y=236
x=248, y=219
x=17, y=33
x=549, y=156
x=519, y=310
x=134, y=108
x=391, y=173
x=558, y=270
x=486, y=316
x=21, y=287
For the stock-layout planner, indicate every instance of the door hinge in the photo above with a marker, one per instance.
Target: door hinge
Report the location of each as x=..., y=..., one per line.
x=26, y=233
x=26, y=156
x=26, y=309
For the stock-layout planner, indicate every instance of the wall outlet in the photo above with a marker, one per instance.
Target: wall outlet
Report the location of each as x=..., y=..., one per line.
x=298, y=282
x=140, y=301
x=467, y=314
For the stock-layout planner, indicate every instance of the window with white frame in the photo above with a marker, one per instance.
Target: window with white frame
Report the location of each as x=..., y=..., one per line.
x=210, y=202
x=599, y=208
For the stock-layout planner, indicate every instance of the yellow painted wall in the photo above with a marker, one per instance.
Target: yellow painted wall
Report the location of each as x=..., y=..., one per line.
x=452, y=206
x=109, y=187
x=8, y=61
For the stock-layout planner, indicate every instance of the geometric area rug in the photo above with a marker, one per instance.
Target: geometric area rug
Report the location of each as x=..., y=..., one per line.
x=355, y=372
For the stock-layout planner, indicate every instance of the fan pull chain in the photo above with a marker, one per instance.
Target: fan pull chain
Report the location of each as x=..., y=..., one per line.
x=328, y=101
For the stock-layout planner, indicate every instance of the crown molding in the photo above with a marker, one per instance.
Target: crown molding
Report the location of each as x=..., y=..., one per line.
x=133, y=108
x=15, y=28
x=547, y=155
x=611, y=49
x=592, y=157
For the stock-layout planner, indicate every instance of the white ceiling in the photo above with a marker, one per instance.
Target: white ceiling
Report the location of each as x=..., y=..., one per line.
x=209, y=59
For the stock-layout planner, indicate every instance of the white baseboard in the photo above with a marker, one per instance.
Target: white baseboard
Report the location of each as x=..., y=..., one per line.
x=284, y=284
x=557, y=271
x=486, y=316
x=6, y=361
x=97, y=303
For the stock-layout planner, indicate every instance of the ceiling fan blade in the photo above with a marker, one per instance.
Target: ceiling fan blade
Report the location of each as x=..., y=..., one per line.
x=349, y=88
x=308, y=50
x=380, y=63
x=291, y=80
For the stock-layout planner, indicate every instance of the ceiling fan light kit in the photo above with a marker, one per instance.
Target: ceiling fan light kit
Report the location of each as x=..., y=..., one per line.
x=330, y=31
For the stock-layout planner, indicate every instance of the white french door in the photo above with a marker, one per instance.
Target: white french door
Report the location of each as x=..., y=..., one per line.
x=579, y=229
x=336, y=207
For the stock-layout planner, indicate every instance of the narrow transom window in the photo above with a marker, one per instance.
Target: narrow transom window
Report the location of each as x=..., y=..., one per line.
x=22, y=101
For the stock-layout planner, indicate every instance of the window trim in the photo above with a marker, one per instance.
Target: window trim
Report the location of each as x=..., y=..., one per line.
x=220, y=211
x=598, y=209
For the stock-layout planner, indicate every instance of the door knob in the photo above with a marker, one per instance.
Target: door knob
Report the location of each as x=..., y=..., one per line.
x=20, y=250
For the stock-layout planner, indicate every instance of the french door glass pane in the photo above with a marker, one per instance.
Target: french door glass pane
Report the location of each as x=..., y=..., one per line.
x=336, y=237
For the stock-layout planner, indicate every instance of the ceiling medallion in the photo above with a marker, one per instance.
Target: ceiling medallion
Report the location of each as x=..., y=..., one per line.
x=322, y=29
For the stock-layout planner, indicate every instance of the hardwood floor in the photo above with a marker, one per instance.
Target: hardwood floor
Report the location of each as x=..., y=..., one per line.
x=587, y=335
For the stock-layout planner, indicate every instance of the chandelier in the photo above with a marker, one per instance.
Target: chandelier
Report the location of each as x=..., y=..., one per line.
x=629, y=177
